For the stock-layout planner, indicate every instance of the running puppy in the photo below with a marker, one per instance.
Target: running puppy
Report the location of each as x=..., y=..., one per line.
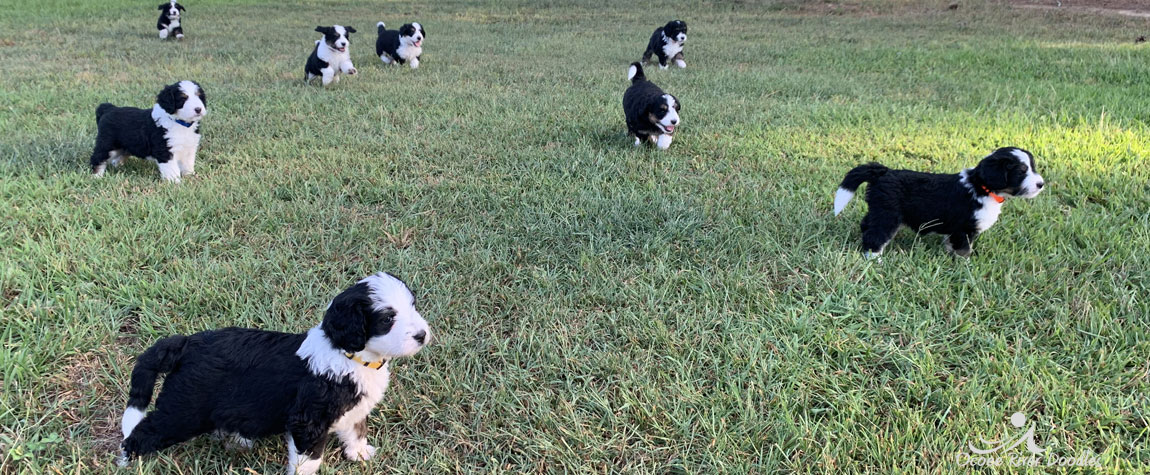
x=168, y=134
x=169, y=22
x=250, y=383
x=330, y=56
x=958, y=206
x=400, y=46
x=667, y=44
x=651, y=113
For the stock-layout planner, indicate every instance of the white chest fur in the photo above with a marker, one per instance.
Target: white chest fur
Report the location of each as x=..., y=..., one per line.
x=408, y=51
x=671, y=48
x=333, y=57
x=987, y=215
x=182, y=141
x=372, y=383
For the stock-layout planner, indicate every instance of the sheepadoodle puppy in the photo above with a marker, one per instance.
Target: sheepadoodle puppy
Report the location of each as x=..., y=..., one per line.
x=667, y=44
x=330, y=56
x=169, y=22
x=168, y=134
x=958, y=206
x=651, y=113
x=400, y=46
x=248, y=383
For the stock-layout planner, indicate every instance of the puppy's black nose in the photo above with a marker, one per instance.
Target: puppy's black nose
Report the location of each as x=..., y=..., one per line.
x=674, y=121
x=1040, y=185
x=201, y=109
x=419, y=337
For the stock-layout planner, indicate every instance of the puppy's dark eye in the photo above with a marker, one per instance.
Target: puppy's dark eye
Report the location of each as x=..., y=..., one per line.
x=183, y=96
x=663, y=107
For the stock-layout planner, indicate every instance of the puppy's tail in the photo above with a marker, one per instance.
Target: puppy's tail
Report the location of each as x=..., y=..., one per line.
x=856, y=177
x=379, y=27
x=635, y=73
x=161, y=358
x=103, y=109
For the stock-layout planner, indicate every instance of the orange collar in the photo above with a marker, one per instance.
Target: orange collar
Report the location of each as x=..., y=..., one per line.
x=992, y=195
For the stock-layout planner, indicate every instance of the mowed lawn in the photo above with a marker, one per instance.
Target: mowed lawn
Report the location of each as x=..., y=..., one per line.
x=597, y=307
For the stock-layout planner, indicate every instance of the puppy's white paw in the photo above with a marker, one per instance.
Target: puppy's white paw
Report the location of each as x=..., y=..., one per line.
x=663, y=66
x=680, y=63
x=163, y=34
x=351, y=71
x=180, y=36
x=664, y=142
x=362, y=453
x=638, y=142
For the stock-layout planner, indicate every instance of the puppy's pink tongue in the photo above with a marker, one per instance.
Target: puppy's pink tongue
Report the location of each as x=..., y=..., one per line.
x=670, y=128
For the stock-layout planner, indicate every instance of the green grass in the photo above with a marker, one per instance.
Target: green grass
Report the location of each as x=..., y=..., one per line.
x=598, y=308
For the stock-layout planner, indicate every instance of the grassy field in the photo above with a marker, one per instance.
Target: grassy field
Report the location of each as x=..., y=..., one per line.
x=598, y=307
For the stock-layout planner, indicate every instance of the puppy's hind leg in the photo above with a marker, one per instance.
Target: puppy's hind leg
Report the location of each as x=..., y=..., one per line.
x=164, y=33
x=385, y=58
x=179, y=32
x=878, y=228
x=157, y=431
x=100, y=158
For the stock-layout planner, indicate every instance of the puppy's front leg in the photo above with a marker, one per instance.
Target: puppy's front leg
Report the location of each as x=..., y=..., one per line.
x=354, y=438
x=959, y=244
x=347, y=68
x=414, y=62
x=170, y=170
x=664, y=142
x=328, y=75
x=187, y=162
x=679, y=60
x=305, y=451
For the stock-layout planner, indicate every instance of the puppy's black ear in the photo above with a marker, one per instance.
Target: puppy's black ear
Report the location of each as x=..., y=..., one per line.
x=323, y=29
x=163, y=6
x=169, y=98
x=349, y=29
x=179, y=7
x=345, y=322
x=994, y=171
x=423, y=30
x=678, y=105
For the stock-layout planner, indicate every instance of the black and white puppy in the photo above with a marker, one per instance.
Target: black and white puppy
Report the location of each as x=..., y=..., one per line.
x=958, y=206
x=169, y=22
x=253, y=383
x=330, y=56
x=667, y=44
x=400, y=46
x=651, y=113
x=168, y=134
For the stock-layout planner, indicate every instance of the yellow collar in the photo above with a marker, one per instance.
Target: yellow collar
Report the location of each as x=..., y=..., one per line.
x=370, y=364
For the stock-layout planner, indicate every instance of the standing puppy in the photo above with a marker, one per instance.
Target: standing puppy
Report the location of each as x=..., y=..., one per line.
x=400, y=46
x=651, y=113
x=667, y=44
x=169, y=22
x=330, y=56
x=958, y=206
x=168, y=134
x=251, y=383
